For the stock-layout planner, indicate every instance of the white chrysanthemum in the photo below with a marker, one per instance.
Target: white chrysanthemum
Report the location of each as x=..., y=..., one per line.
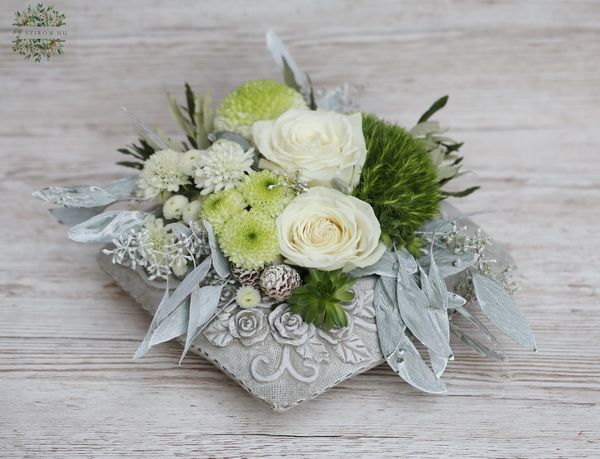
x=223, y=166
x=247, y=297
x=191, y=212
x=189, y=161
x=174, y=206
x=161, y=173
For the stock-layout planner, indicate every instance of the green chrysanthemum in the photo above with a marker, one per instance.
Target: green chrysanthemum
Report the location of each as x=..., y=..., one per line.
x=399, y=180
x=251, y=242
x=219, y=207
x=253, y=101
x=265, y=191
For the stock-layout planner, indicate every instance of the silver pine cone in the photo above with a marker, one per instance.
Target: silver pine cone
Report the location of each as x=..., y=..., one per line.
x=246, y=276
x=278, y=281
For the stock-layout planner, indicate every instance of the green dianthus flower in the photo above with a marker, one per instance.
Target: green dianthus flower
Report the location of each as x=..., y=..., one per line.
x=251, y=241
x=253, y=101
x=219, y=207
x=265, y=191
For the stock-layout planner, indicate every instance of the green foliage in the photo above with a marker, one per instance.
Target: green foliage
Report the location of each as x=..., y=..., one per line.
x=140, y=152
x=443, y=149
x=399, y=180
x=319, y=300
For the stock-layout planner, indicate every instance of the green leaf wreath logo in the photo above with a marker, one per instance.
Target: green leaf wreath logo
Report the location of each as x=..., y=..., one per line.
x=39, y=32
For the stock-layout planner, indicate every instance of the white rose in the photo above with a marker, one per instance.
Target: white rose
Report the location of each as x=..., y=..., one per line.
x=327, y=229
x=320, y=145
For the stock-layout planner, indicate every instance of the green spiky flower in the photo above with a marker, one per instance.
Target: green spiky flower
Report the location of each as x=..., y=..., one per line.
x=319, y=300
x=399, y=180
x=265, y=191
x=219, y=207
x=253, y=101
x=251, y=242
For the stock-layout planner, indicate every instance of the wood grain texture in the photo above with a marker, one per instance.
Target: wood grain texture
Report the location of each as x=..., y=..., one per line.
x=524, y=80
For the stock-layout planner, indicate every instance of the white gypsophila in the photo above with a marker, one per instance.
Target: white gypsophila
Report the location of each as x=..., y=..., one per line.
x=189, y=161
x=327, y=230
x=223, y=166
x=161, y=174
x=318, y=145
x=174, y=206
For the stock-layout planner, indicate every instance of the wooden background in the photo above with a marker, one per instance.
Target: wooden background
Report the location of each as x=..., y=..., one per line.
x=524, y=80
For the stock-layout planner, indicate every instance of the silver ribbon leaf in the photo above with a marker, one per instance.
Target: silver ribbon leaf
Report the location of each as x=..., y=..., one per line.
x=204, y=302
x=387, y=265
x=478, y=347
x=420, y=317
x=500, y=308
x=219, y=261
x=85, y=196
x=107, y=226
x=280, y=53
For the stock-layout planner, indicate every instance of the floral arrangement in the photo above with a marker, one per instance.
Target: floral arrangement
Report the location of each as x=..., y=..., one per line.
x=288, y=213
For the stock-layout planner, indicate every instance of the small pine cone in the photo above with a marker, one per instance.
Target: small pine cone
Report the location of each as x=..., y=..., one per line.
x=278, y=281
x=246, y=276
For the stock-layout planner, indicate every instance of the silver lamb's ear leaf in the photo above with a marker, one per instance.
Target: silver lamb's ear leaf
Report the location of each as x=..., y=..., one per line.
x=204, y=302
x=219, y=261
x=280, y=55
x=424, y=321
x=409, y=365
x=73, y=216
x=478, y=347
x=500, y=308
x=105, y=227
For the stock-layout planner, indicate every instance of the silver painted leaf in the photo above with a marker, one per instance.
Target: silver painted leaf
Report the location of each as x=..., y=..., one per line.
x=172, y=326
x=438, y=364
x=231, y=136
x=455, y=301
x=341, y=99
x=185, y=287
x=409, y=365
x=418, y=315
x=204, y=302
x=477, y=346
x=387, y=265
x=390, y=326
x=448, y=262
x=105, y=227
x=478, y=323
x=279, y=53
x=340, y=185
x=73, y=216
x=180, y=231
x=158, y=316
x=500, y=308
x=219, y=261
x=123, y=188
